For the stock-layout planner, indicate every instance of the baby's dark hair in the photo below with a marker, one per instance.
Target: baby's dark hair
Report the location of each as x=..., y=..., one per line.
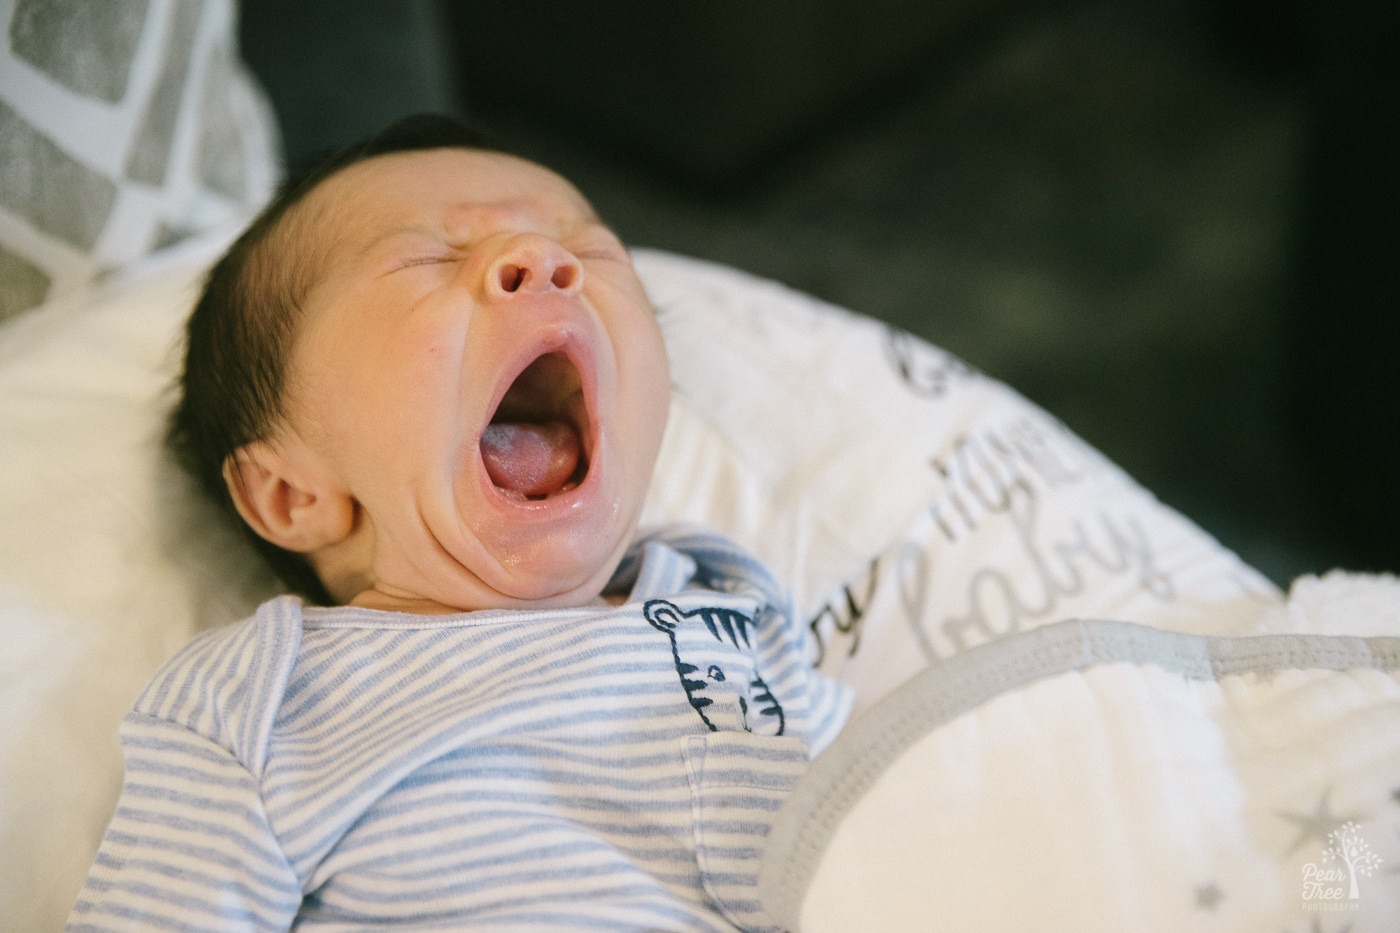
x=239, y=335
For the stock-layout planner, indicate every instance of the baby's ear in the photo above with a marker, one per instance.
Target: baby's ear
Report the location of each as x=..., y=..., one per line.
x=283, y=496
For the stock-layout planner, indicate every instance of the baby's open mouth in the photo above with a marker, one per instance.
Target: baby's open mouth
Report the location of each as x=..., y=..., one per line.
x=536, y=445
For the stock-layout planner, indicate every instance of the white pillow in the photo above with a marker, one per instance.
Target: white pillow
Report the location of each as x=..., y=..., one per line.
x=807, y=433
x=916, y=506
x=108, y=563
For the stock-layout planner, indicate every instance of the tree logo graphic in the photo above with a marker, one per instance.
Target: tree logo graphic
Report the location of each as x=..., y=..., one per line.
x=1346, y=845
x=1347, y=858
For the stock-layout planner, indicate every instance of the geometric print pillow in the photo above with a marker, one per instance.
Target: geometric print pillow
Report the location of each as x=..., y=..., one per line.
x=124, y=126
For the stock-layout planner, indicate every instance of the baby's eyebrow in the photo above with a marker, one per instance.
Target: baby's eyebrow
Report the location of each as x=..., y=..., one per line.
x=477, y=216
x=378, y=240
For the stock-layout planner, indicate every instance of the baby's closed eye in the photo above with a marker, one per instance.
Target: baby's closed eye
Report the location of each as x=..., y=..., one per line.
x=424, y=260
x=611, y=255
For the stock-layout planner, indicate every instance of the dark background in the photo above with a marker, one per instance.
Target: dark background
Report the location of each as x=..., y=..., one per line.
x=1172, y=224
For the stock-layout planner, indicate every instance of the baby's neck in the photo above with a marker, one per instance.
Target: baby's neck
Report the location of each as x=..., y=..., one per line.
x=380, y=601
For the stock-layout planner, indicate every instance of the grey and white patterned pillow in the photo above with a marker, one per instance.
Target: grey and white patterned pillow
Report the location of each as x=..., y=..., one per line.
x=124, y=125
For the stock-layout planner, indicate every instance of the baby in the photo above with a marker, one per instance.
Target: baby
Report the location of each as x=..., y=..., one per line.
x=430, y=382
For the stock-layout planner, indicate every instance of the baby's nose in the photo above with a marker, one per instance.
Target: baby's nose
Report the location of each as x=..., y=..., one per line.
x=532, y=264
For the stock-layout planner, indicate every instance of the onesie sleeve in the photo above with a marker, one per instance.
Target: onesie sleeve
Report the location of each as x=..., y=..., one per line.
x=831, y=707
x=829, y=702
x=189, y=846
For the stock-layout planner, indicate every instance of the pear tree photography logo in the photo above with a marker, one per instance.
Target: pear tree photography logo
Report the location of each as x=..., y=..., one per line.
x=1335, y=883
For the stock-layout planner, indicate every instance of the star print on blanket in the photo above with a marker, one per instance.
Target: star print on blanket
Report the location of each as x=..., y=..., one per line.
x=713, y=648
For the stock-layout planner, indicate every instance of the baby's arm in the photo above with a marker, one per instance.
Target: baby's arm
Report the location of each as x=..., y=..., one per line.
x=189, y=846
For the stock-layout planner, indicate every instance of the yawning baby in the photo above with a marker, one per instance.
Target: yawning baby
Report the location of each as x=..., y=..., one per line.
x=429, y=382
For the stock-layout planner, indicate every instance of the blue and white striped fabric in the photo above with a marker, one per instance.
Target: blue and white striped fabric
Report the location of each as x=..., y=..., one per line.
x=606, y=768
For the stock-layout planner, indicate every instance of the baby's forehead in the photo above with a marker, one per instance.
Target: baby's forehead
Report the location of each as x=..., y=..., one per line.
x=455, y=187
x=451, y=194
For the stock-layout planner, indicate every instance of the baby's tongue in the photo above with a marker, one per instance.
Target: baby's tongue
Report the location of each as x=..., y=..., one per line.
x=530, y=459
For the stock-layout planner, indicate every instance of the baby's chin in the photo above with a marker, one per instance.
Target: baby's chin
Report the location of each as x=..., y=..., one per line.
x=521, y=592
x=522, y=567
x=557, y=550
x=571, y=568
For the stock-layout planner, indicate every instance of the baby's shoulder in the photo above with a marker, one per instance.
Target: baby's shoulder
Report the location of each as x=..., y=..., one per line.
x=227, y=676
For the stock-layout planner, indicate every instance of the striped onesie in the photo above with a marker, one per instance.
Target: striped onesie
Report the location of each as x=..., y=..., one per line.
x=609, y=768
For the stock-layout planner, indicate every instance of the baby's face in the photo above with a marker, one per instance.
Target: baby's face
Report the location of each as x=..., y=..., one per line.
x=480, y=368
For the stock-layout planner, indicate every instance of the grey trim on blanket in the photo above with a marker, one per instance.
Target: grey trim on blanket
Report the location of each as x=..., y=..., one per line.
x=940, y=694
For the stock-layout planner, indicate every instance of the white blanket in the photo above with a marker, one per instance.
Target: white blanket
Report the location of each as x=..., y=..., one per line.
x=1095, y=775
